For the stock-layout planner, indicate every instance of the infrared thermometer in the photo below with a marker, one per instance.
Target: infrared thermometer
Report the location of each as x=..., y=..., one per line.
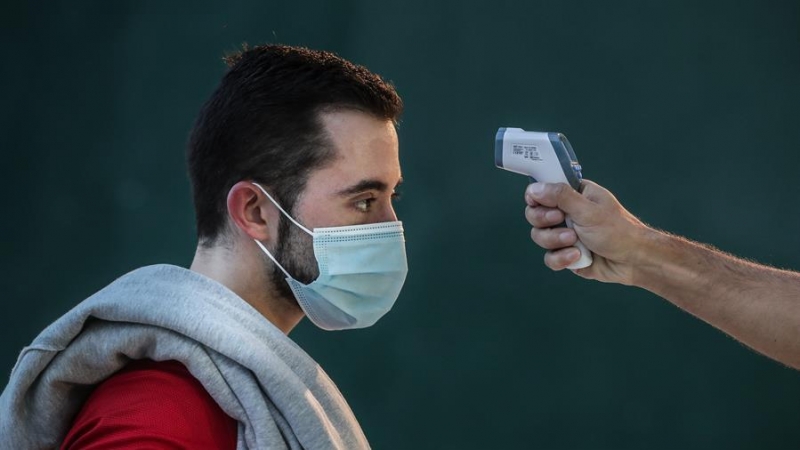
x=545, y=157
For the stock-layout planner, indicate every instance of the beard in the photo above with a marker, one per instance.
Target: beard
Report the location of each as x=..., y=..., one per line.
x=295, y=252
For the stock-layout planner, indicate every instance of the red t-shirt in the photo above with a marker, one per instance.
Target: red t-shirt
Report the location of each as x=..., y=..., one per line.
x=151, y=405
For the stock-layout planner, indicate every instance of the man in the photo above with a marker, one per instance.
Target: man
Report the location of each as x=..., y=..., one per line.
x=294, y=165
x=758, y=305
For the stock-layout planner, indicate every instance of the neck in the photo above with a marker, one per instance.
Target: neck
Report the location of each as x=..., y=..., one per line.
x=244, y=273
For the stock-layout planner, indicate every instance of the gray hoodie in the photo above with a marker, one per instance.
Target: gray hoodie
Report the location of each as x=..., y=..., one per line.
x=278, y=394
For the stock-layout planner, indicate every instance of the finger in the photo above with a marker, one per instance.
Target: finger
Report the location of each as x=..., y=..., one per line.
x=543, y=217
x=563, y=197
x=554, y=238
x=560, y=259
x=529, y=200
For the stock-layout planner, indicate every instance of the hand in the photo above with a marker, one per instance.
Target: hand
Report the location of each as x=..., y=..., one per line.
x=613, y=234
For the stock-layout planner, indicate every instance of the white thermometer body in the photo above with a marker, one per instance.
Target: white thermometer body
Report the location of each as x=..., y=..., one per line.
x=545, y=157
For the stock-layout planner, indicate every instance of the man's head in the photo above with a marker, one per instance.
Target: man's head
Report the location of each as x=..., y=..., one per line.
x=315, y=131
x=264, y=123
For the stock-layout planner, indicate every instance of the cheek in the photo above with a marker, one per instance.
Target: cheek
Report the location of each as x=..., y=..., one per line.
x=323, y=212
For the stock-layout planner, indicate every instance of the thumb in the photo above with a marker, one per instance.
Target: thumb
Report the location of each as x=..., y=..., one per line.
x=597, y=194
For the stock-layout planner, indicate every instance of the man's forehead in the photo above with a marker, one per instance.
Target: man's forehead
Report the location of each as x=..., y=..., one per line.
x=346, y=128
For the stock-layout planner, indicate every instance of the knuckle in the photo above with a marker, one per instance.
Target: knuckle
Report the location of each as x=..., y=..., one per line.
x=554, y=216
x=558, y=189
x=530, y=215
x=545, y=238
x=537, y=216
x=539, y=237
x=551, y=261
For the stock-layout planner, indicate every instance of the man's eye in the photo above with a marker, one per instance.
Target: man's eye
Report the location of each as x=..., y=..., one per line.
x=365, y=204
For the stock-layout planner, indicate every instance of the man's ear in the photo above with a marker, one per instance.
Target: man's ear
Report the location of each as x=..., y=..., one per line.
x=251, y=211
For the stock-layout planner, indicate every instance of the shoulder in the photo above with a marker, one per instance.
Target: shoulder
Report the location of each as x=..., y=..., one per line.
x=158, y=403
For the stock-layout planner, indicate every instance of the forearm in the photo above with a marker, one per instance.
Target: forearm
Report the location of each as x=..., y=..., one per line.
x=758, y=305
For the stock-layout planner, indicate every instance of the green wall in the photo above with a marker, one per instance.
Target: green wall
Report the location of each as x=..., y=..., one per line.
x=688, y=111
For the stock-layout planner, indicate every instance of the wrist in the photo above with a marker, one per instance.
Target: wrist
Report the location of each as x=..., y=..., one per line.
x=655, y=254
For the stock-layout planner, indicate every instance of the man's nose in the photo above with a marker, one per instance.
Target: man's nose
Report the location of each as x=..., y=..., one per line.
x=388, y=214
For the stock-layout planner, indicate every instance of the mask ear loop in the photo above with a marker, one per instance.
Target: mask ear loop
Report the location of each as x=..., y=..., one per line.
x=272, y=258
x=282, y=210
x=290, y=218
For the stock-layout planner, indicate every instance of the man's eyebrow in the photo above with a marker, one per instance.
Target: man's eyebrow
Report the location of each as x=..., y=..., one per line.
x=366, y=185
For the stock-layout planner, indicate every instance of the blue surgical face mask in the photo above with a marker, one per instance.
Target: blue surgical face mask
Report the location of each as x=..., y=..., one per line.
x=361, y=271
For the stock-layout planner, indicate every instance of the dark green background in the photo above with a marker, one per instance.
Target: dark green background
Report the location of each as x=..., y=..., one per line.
x=688, y=111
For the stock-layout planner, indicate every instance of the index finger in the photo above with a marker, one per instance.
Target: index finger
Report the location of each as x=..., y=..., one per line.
x=561, y=196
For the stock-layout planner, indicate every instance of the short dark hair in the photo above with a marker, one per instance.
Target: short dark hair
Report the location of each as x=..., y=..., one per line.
x=263, y=123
